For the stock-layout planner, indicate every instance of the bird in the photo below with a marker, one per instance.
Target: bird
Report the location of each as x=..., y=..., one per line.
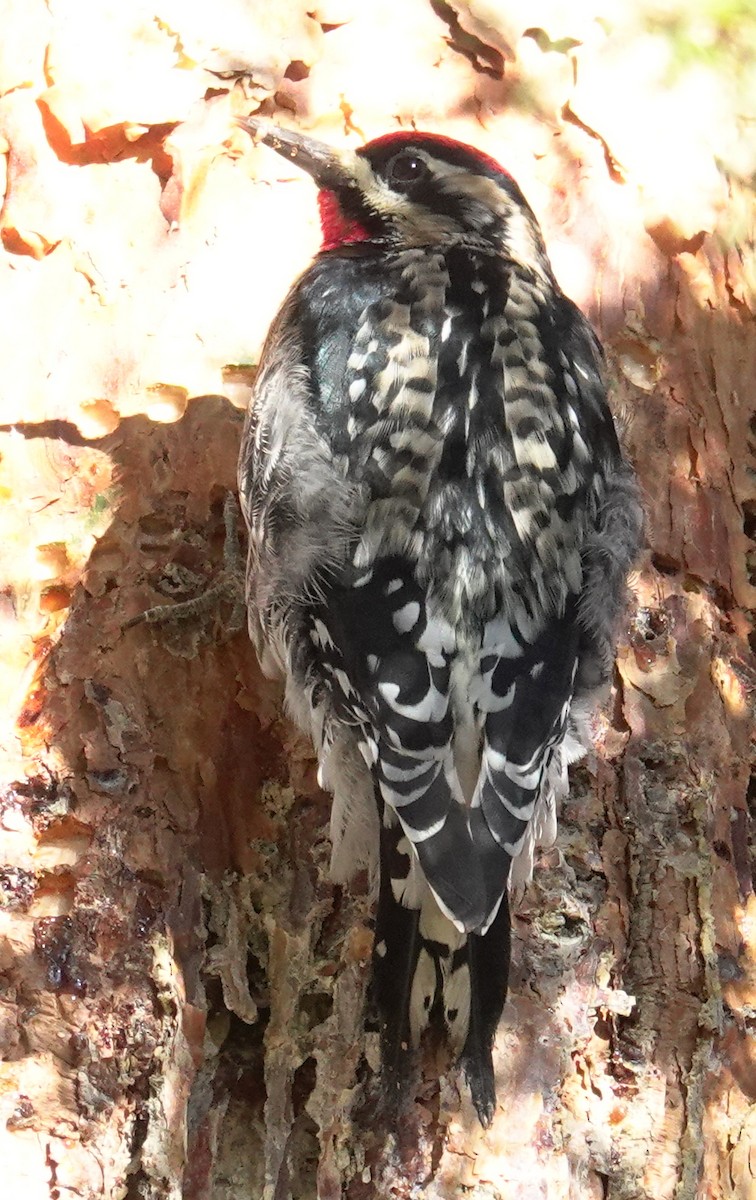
x=441, y=524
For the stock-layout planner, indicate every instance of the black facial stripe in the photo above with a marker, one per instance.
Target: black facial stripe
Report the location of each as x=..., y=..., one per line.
x=435, y=191
x=352, y=204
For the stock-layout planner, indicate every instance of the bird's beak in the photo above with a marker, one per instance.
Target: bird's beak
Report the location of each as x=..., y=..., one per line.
x=331, y=169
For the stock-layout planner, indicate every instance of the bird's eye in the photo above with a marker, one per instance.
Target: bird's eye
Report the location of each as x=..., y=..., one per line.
x=405, y=169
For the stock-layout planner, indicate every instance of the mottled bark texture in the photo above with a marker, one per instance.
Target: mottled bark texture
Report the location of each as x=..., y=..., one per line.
x=181, y=987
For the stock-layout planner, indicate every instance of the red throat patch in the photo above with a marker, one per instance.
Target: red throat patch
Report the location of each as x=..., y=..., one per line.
x=337, y=229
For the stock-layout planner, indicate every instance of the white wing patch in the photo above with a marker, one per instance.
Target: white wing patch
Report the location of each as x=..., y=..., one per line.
x=406, y=618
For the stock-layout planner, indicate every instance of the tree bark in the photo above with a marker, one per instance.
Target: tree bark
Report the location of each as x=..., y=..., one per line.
x=182, y=987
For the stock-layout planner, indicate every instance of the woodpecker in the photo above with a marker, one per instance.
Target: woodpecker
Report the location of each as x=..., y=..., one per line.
x=441, y=523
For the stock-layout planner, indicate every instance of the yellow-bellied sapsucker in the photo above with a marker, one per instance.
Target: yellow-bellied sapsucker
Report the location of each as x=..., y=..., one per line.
x=441, y=523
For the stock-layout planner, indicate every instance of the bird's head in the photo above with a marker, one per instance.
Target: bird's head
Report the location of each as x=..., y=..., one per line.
x=412, y=189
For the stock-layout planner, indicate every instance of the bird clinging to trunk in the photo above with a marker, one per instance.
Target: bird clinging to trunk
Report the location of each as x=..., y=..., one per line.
x=441, y=523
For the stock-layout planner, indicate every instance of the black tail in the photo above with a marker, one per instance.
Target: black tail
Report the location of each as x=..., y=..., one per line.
x=426, y=972
x=487, y=958
x=395, y=954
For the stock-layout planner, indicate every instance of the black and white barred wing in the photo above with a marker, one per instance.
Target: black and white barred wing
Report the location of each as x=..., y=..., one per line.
x=391, y=659
x=550, y=647
x=523, y=691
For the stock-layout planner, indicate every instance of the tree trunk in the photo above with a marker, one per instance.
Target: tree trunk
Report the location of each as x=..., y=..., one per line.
x=182, y=1009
